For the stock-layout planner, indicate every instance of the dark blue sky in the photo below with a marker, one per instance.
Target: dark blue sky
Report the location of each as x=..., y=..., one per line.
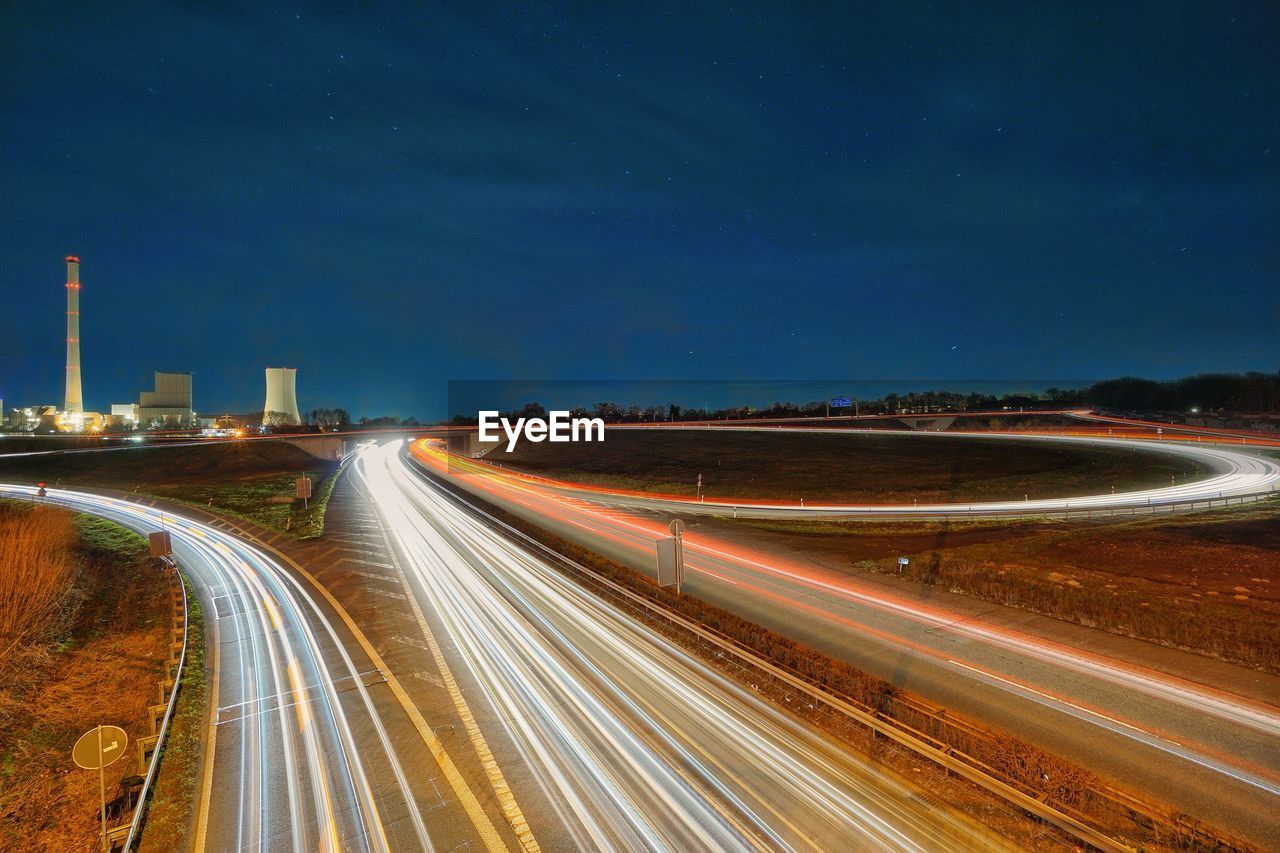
x=390, y=199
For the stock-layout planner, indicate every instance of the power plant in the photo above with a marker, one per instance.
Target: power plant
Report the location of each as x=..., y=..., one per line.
x=73, y=400
x=281, y=407
x=168, y=405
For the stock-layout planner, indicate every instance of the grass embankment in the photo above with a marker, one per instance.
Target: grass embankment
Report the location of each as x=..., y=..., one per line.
x=1207, y=582
x=169, y=815
x=1026, y=766
x=850, y=467
x=87, y=647
x=253, y=480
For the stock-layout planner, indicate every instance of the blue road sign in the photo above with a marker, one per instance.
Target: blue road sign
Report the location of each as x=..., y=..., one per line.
x=841, y=402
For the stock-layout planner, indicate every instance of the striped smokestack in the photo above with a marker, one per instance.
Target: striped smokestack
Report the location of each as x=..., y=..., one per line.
x=74, y=399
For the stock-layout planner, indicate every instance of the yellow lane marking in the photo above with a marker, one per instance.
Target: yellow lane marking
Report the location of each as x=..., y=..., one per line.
x=273, y=612
x=488, y=832
x=501, y=789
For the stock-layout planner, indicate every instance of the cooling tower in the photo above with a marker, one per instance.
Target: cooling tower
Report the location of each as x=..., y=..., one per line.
x=73, y=400
x=282, y=395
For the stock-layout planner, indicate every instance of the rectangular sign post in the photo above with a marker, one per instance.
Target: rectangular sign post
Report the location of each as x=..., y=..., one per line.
x=304, y=490
x=670, y=563
x=161, y=545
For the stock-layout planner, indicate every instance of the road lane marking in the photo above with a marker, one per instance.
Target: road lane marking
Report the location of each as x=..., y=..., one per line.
x=466, y=797
x=497, y=781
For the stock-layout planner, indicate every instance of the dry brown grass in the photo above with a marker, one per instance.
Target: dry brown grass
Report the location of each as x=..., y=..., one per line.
x=1207, y=583
x=37, y=574
x=92, y=653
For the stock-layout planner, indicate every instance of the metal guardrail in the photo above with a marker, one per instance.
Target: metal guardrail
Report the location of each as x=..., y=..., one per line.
x=1146, y=510
x=135, y=825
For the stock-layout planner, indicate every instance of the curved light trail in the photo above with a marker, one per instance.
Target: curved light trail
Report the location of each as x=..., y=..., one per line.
x=290, y=772
x=1201, y=748
x=638, y=744
x=1236, y=474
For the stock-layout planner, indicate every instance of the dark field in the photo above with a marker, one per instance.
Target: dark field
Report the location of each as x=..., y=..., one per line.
x=250, y=479
x=853, y=467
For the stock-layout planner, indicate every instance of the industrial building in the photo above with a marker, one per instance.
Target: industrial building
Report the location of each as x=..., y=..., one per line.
x=169, y=405
x=123, y=416
x=281, y=406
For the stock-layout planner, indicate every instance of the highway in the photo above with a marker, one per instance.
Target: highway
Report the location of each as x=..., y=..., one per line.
x=635, y=743
x=1237, y=474
x=296, y=736
x=1188, y=739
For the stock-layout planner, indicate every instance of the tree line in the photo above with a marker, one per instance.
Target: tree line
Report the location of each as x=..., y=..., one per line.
x=1252, y=393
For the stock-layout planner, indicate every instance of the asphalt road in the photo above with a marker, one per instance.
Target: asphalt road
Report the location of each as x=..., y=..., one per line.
x=297, y=735
x=1200, y=736
x=634, y=743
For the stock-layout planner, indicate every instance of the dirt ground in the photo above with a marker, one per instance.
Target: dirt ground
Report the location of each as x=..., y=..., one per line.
x=856, y=467
x=104, y=670
x=1207, y=582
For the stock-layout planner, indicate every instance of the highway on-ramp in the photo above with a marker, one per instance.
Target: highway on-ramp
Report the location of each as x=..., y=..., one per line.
x=1236, y=474
x=1200, y=736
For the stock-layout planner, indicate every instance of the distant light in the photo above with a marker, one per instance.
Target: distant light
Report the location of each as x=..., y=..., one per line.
x=1195, y=411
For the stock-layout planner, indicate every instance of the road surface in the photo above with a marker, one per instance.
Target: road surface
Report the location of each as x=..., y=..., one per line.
x=637, y=744
x=1204, y=738
x=296, y=736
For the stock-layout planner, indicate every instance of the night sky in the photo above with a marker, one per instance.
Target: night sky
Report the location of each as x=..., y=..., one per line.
x=390, y=199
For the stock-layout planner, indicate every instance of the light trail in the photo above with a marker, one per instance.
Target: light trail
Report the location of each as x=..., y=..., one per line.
x=283, y=731
x=637, y=743
x=1190, y=742
x=1237, y=474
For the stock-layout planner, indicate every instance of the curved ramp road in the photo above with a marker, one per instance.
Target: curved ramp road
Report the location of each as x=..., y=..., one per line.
x=637, y=744
x=1237, y=473
x=1202, y=749
x=295, y=730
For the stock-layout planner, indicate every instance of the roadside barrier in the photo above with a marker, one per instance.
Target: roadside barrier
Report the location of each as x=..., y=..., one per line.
x=127, y=836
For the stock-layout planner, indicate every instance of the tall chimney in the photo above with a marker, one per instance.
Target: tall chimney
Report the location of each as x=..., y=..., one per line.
x=74, y=400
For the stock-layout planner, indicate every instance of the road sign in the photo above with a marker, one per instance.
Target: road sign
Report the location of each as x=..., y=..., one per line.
x=98, y=748
x=676, y=527
x=93, y=753
x=303, y=485
x=669, y=568
x=161, y=545
x=841, y=402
